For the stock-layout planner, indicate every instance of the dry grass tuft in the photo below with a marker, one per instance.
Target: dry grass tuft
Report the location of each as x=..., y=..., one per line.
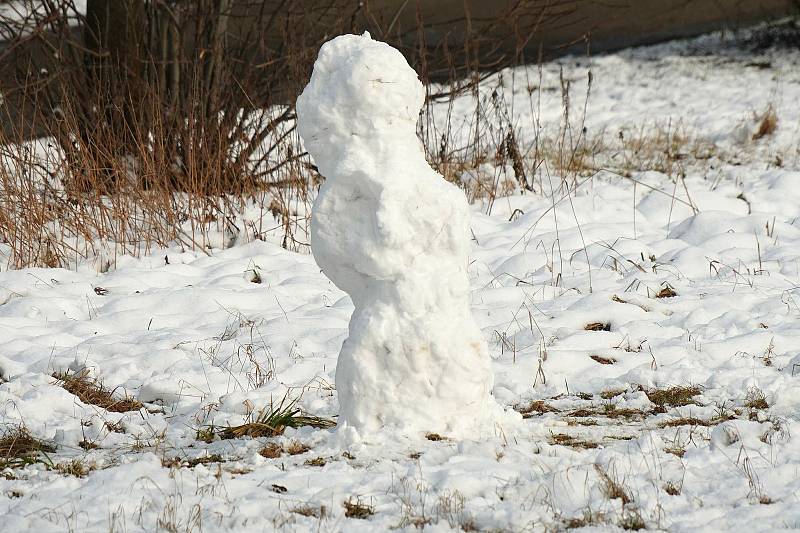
x=75, y=468
x=581, y=422
x=632, y=520
x=296, y=448
x=316, y=461
x=620, y=437
x=435, y=437
x=684, y=421
x=767, y=123
x=536, y=407
x=177, y=462
x=609, y=410
x=603, y=360
x=19, y=448
x=272, y=450
x=673, y=396
x=273, y=421
x=206, y=434
x=583, y=413
x=677, y=451
x=114, y=427
x=693, y=421
x=562, y=439
x=357, y=509
x=755, y=399
x=91, y=391
x=666, y=292
x=612, y=488
x=588, y=518
x=310, y=511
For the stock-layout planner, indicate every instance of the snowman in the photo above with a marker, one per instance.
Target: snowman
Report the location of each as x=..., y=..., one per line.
x=394, y=235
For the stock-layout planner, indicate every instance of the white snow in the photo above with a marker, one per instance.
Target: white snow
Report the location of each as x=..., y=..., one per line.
x=394, y=235
x=202, y=344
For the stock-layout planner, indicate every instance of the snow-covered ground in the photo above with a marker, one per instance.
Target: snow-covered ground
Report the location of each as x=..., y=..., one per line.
x=652, y=272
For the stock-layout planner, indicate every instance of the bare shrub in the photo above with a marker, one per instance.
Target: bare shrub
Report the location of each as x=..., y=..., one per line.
x=167, y=123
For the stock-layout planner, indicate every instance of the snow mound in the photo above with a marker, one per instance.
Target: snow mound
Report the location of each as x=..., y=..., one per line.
x=394, y=235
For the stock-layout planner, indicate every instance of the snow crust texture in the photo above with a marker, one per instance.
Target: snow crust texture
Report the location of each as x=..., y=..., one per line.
x=394, y=235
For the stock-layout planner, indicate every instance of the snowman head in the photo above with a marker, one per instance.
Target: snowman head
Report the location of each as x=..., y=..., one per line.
x=361, y=91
